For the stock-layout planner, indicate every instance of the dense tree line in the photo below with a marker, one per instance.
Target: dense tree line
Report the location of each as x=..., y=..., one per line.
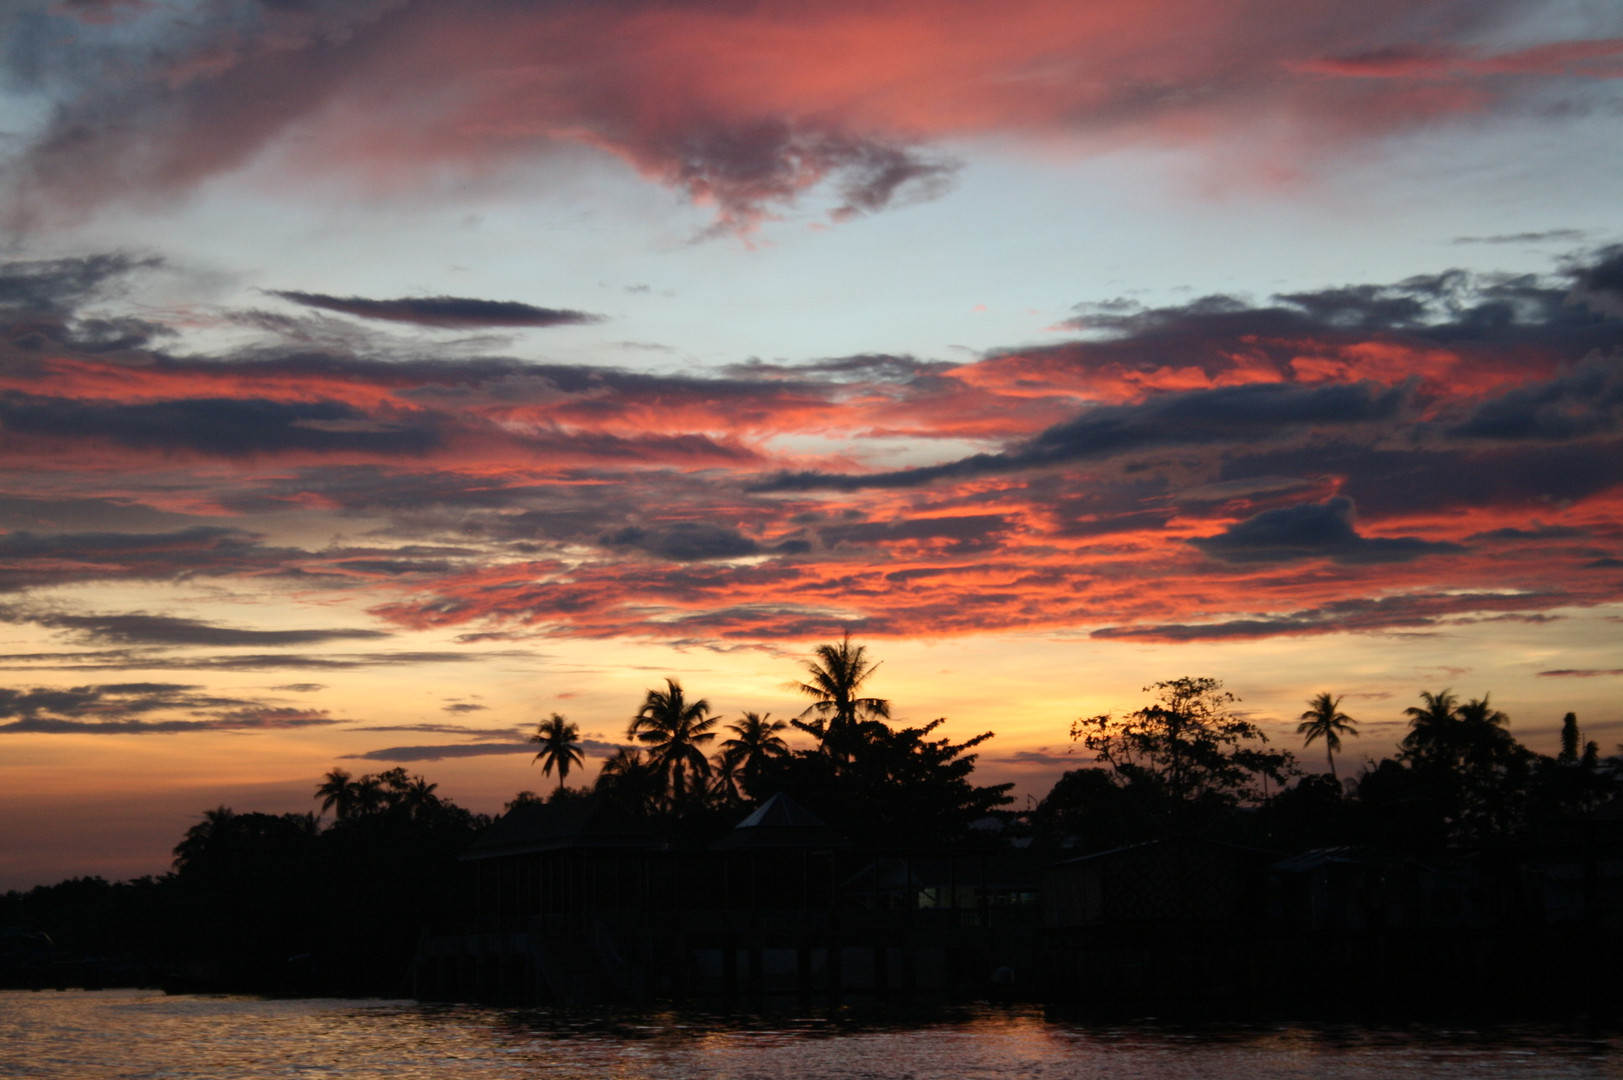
x=301, y=902
x=1188, y=762
x=275, y=902
x=893, y=786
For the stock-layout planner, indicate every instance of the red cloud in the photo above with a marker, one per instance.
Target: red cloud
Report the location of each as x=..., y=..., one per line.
x=746, y=108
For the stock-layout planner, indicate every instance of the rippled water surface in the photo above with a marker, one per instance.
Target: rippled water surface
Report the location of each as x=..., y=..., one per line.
x=144, y=1034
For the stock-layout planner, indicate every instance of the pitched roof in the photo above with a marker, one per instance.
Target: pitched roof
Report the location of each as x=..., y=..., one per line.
x=590, y=821
x=781, y=822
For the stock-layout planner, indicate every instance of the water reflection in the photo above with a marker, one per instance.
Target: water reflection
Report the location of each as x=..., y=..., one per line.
x=140, y=1035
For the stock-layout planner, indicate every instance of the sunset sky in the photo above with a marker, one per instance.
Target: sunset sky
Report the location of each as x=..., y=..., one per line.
x=380, y=376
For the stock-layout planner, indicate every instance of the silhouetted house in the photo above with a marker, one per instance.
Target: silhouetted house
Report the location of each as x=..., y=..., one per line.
x=974, y=882
x=1350, y=889
x=1574, y=873
x=1184, y=881
x=1156, y=923
x=560, y=858
x=580, y=900
x=780, y=822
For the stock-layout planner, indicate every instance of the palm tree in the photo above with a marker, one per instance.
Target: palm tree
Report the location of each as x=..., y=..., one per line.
x=419, y=798
x=1482, y=731
x=674, y=730
x=1324, y=720
x=629, y=778
x=212, y=829
x=560, y=746
x=369, y=796
x=392, y=785
x=1431, y=727
x=755, y=743
x=835, y=679
x=337, y=793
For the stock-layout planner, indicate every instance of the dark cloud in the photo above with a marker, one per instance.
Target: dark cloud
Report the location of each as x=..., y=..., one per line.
x=592, y=747
x=116, y=660
x=1602, y=278
x=448, y=729
x=444, y=312
x=684, y=541
x=1454, y=306
x=127, y=708
x=862, y=367
x=29, y=560
x=59, y=286
x=1537, y=532
x=463, y=707
x=1312, y=531
x=394, y=567
x=966, y=532
x=1581, y=673
x=78, y=515
x=226, y=427
x=1404, y=612
x=749, y=165
x=142, y=629
x=1586, y=400
x=1256, y=412
x=440, y=753
x=1568, y=236
x=1039, y=757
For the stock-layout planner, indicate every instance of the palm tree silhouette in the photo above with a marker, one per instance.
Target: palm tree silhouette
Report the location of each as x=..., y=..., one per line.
x=337, y=793
x=1482, y=731
x=1431, y=727
x=560, y=746
x=419, y=798
x=674, y=731
x=629, y=778
x=835, y=678
x=1324, y=720
x=369, y=796
x=755, y=743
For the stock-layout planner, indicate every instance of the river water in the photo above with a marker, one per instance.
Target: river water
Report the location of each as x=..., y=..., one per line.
x=145, y=1035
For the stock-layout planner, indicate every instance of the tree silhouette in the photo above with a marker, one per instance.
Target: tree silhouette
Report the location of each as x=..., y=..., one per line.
x=1187, y=747
x=631, y=780
x=1324, y=720
x=419, y=799
x=1471, y=769
x=560, y=746
x=754, y=744
x=1570, y=739
x=337, y=793
x=674, y=730
x=369, y=796
x=842, y=720
x=1482, y=731
x=1431, y=727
